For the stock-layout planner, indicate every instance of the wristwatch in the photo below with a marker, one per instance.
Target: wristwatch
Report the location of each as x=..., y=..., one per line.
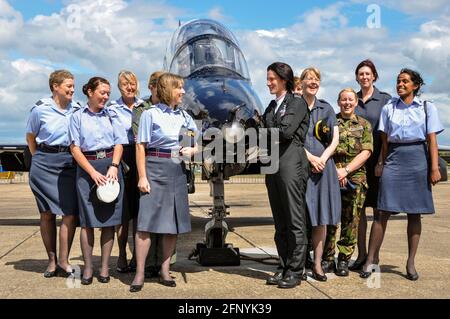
x=115, y=165
x=347, y=170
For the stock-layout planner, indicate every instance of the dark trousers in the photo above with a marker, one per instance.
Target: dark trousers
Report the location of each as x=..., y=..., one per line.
x=286, y=190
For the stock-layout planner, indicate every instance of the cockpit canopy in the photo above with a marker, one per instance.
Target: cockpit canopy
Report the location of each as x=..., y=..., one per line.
x=202, y=43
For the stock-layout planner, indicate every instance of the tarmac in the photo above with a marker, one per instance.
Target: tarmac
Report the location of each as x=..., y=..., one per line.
x=23, y=258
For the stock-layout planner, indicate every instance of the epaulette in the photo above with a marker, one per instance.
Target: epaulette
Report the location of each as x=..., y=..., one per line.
x=323, y=101
x=110, y=103
x=40, y=102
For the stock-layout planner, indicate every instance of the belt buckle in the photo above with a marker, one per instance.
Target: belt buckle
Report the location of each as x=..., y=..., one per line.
x=100, y=154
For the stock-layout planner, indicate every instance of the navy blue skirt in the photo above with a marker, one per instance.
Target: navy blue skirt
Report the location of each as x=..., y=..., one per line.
x=165, y=210
x=52, y=181
x=93, y=212
x=404, y=184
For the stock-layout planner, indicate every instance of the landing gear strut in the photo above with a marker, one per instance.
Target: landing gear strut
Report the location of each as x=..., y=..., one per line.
x=215, y=251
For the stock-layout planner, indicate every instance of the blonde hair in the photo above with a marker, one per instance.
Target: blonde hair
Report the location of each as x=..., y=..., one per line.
x=311, y=69
x=297, y=81
x=154, y=77
x=57, y=77
x=130, y=77
x=166, y=83
x=350, y=90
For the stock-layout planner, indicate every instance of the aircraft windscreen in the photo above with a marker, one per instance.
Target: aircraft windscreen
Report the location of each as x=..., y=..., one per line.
x=209, y=51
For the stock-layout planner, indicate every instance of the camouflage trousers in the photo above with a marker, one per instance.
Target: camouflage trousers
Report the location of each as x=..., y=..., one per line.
x=352, y=205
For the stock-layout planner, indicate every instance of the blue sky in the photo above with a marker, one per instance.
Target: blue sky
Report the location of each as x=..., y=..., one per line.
x=36, y=38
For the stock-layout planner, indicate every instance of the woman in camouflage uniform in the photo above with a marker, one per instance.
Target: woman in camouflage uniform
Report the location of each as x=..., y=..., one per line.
x=355, y=147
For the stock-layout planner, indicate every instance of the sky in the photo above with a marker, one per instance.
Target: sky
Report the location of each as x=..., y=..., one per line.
x=102, y=37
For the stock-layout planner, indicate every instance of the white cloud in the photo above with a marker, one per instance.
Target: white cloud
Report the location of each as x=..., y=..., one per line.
x=413, y=7
x=10, y=24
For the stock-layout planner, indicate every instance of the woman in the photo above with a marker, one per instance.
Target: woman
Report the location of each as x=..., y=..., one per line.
x=322, y=192
x=297, y=86
x=96, y=137
x=354, y=148
x=287, y=114
x=410, y=157
x=129, y=89
x=155, y=254
x=52, y=173
x=163, y=205
x=370, y=103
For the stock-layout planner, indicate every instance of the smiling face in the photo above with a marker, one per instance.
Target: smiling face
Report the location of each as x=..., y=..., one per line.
x=365, y=77
x=405, y=86
x=177, y=95
x=128, y=88
x=65, y=90
x=310, y=84
x=99, y=97
x=347, y=102
x=275, y=84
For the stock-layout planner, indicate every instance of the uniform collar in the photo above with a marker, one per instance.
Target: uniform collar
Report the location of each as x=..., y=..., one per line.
x=415, y=102
x=353, y=118
x=55, y=107
x=376, y=95
x=86, y=110
x=121, y=103
x=165, y=108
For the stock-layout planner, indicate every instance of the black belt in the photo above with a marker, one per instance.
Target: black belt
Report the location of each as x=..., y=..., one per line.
x=53, y=148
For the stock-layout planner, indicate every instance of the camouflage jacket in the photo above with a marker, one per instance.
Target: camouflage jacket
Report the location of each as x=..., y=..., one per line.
x=355, y=135
x=137, y=112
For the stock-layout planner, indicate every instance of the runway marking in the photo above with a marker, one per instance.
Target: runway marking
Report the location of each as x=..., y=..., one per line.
x=12, y=249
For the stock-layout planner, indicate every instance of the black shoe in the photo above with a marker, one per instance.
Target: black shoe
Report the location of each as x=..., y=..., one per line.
x=104, y=280
x=62, y=272
x=342, y=268
x=319, y=277
x=136, y=288
x=87, y=281
x=289, y=281
x=274, y=279
x=167, y=283
x=50, y=274
x=328, y=266
x=366, y=274
x=357, y=265
x=412, y=277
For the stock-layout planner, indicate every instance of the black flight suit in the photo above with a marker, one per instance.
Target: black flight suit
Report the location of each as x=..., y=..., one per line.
x=287, y=187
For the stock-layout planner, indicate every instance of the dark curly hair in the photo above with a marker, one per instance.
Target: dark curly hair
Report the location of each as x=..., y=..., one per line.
x=93, y=83
x=415, y=77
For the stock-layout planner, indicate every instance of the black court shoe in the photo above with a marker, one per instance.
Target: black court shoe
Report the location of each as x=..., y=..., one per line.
x=412, y=277
x=87, y=281
x=167, y=283
x=357, y=265
x=104, y=280
x=136, y=288
x=63, y=272
x=50, y=274
x=318, y=276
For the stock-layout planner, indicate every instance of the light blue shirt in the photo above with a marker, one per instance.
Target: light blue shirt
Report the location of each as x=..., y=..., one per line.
x=49, y=123
x=160, y=126
x=125, y=115
x=406, y=124
x=96, y=131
